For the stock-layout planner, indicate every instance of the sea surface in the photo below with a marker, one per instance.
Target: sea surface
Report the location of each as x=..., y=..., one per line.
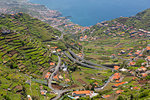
x=90, y=12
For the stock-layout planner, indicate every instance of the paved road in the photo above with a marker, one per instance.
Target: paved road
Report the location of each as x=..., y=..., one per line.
x=51, y=77
x=101, y=88
x=59, y=92
x=85, y=61
x=83, y=64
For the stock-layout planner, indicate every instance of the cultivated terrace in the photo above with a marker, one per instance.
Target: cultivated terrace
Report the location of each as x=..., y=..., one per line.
x=110, y=60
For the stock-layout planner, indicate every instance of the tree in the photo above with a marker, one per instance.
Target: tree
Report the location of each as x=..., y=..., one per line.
x=131, y=97
x=6, y=97
x=120, y=98
x=143, y=94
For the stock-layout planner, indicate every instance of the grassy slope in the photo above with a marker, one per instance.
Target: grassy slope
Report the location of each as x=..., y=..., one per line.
x=23, y=49
x=140, y=20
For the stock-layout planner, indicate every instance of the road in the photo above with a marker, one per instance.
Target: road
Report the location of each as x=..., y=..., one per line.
x=101, y=88
x=85, y=61
x=83, y=64
x=59, y=92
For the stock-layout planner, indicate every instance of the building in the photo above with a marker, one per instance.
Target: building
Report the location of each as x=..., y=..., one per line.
x=106, y=96
x=43, y=92
x=52, y=64
x=84, y=93
x=116, y=67
x=29, y=97
x=119, y=91
x=47, y=75
x=142, y=69
x=123, y=70
x=116, y=77
x=132, y=63
x=118, y=84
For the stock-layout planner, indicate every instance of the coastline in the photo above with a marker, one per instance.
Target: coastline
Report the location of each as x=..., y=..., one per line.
x=60, y=13
x=53, y=17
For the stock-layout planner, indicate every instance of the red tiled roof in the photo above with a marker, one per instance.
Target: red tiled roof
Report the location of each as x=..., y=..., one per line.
x=144, y=74
x=82, y=92
x=119, y=91
x=106, y=96
x=148, y=57
x=136, y=88
x=56, y=77
x=52, y=63
x=120, y=84
x=116, y=67
x=147, y=48
x=132, y=63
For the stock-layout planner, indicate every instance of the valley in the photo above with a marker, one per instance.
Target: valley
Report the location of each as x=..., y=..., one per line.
x=106, y=61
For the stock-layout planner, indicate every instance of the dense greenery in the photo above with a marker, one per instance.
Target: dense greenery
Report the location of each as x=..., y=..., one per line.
x=23, y=50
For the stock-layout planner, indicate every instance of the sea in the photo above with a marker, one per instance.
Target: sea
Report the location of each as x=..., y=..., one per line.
x=90, y=12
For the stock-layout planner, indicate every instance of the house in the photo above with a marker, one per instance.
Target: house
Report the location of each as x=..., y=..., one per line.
x=116, y=76
x=119, y=91
x=56, y=78
x=142, y=68
x=148, y=48
x=129, y=54
x=67, y=80
x=116, y=67
x=118, y=84
x=84, y=93
x=123, y=70
x=47, y=75
x=134, y=78
x=58, y=50
x=52, y=63
x=123, y=52
x=29, y=97
x=135, y=88
x=54, y=51
x=148, y=58
x=137, y=52
x=113, y=56
x=96, y=83
x=64, y=67
x=60, y=77
x=144, y=74
x=140, y=55
x=132, y=63
x=106, y=96
x=43, y=92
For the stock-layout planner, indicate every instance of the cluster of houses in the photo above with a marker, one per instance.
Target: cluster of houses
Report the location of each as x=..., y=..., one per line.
x=115, y=28
x=140, y=72
x=83, y=38
x=84, y=93
x=53, y=17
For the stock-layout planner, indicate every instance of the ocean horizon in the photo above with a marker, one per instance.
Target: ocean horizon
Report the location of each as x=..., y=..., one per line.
x=90, y=12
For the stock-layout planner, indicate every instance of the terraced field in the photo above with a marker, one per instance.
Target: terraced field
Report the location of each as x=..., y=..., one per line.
x=23, y=53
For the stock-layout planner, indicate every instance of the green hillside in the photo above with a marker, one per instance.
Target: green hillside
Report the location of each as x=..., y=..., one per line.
x=140, y=20
x=23, y=52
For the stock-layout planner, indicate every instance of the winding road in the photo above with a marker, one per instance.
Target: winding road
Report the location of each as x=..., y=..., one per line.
x=83, y=64
x=59, y=92
x=85, y=61
x=101, y=88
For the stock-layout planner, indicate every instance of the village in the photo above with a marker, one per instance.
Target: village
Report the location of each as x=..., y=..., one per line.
x=130, y=77
x=109, y=60
x=52, y=17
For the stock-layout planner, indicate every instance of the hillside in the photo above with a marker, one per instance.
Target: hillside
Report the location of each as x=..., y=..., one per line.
x=52, y=17
x=23, y=51
x=39, y=62
x=140, y=20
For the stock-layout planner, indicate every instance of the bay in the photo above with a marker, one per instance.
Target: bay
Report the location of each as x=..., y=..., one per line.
x=90, y=12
